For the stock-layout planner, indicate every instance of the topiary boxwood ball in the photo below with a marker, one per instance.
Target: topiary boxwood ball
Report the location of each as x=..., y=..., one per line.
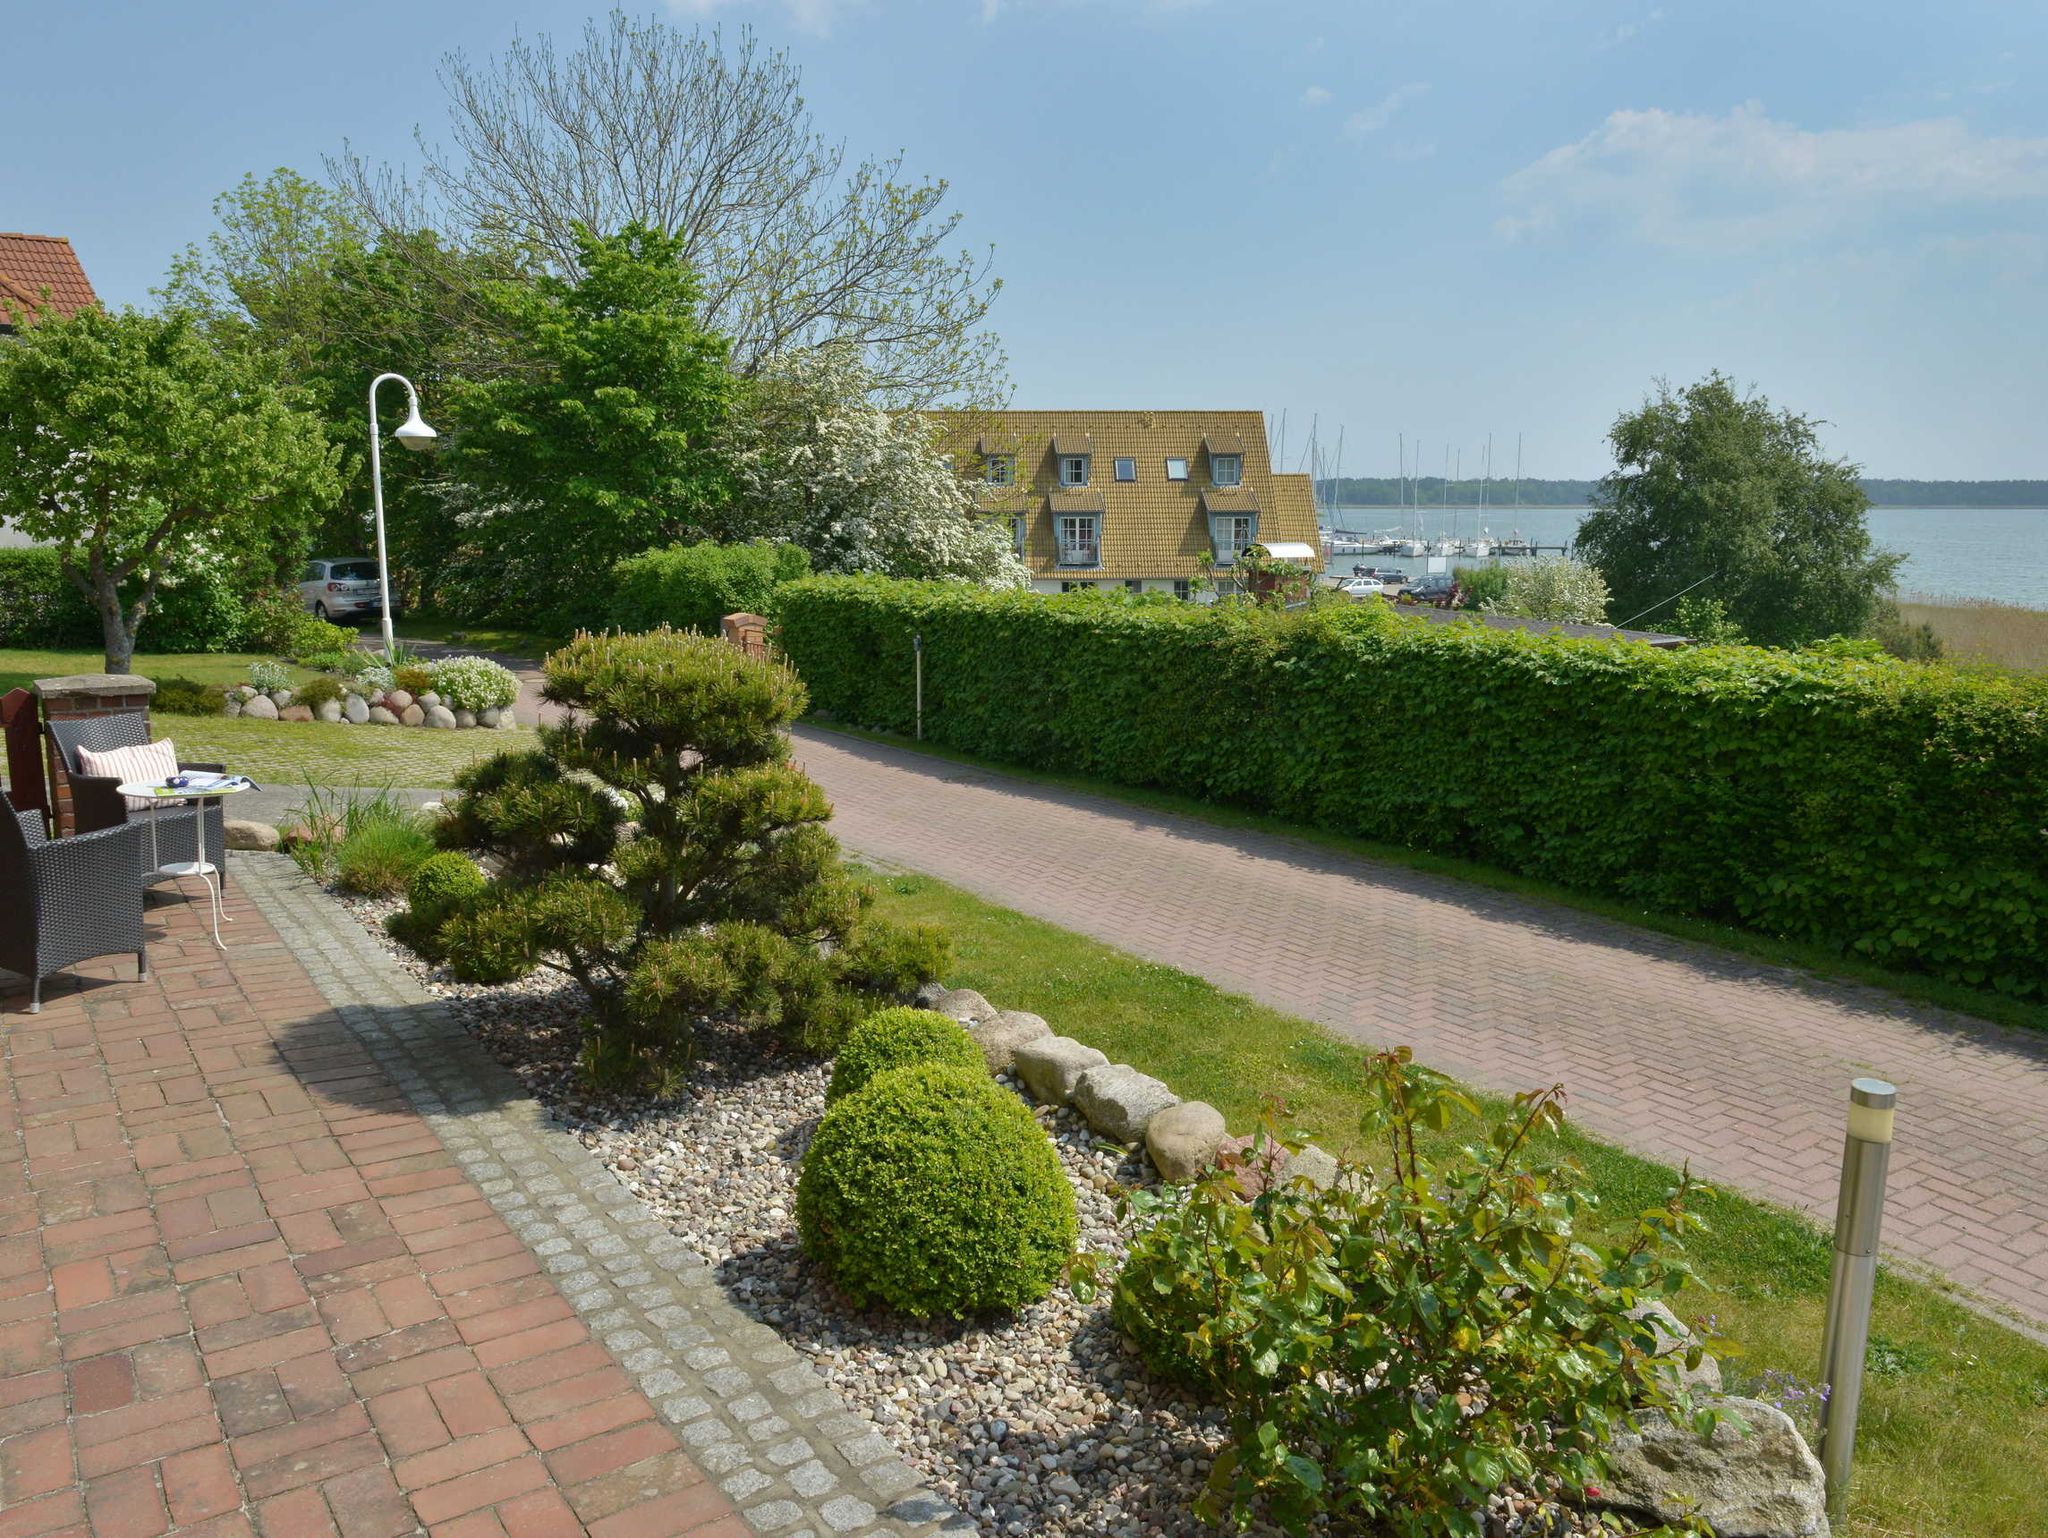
x=441, y=883
x=897, y=1038
x=933, y=1190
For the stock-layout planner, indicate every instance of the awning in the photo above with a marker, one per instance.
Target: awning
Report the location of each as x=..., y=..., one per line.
x=1289, y=550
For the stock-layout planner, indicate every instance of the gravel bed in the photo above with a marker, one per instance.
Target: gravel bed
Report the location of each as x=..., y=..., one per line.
x=1043, y=1422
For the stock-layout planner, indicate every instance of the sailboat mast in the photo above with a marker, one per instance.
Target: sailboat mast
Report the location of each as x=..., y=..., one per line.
x=1518, y=472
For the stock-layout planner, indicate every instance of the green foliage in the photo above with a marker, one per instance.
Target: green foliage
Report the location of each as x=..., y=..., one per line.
x=693, y=587
x=379, y=857
x=1393, y=1350
x=317, y=691
x=1483, y=585
x=896, y=1038
x=196, y=608
x=473, y=683
x=330, y=662
x=271, y=618
x=1787, y=792
x=1903, y=639
x=443, y=883
x=413, y=678
x=185, y=697
x=893, y=962
x=1718, y=493
x=309, y=637
x=1706, y=620
x=600, y=444
x=1551, y=587
x=267, y=676
x=935, y=1191
x=38, y=604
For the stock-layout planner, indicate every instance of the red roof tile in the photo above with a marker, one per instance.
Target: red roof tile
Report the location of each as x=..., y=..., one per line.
x=42, y=271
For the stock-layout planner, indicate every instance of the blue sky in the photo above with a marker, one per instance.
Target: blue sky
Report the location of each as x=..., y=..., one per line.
x=1430, y=219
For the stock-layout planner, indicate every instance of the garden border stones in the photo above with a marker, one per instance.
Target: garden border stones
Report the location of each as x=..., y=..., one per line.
x=755, y=1417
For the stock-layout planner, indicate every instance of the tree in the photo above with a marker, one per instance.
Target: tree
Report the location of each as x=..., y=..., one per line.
x=136, y=445
x=600, y=441
x=1550, y=587
x=1716, y=493
x=645, y=123
x=817, y=463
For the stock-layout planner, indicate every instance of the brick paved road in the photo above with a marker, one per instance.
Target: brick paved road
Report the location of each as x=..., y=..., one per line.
x=1676, y=1051
x=244, y=1288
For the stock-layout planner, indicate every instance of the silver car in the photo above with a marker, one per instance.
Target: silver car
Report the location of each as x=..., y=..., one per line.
x=342, y=588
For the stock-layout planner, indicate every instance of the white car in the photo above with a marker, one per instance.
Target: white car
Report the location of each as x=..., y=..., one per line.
x=1362, y=587
x=342, y=587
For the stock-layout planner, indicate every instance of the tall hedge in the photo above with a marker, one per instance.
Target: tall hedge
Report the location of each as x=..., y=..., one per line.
x=693, y=587
x=1892, y=810
x=40, y=608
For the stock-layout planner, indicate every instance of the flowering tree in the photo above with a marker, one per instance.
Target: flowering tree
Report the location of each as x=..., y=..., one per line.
x=1552, y=587
x=816, y=463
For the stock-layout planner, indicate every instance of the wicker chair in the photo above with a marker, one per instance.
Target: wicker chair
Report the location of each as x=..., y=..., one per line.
x=95, y=803
x=67, y=900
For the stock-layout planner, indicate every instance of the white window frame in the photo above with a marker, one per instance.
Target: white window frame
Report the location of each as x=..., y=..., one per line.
x=1072, y=466
x=1017, y=532
x=1183, y=589
x=1064, y=542
x=1073, y=585
x=1176, y=475
x=1123, y=460
x=1229, y=544
x=1002, y=470
x=1236, y=470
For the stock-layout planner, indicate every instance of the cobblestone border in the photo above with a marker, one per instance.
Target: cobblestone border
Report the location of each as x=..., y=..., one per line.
x=780, y=1441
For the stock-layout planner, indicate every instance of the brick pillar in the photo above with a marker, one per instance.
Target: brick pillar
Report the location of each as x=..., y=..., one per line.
x=749, y=632
x=84, y=694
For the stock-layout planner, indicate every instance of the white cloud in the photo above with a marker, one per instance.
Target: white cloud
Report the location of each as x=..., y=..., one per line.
x=1362, y=125
x=1746, y=179
x=1628, y=31
x=1315, y=96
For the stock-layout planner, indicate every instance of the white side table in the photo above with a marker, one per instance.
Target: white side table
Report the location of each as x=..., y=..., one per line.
x=195, y=797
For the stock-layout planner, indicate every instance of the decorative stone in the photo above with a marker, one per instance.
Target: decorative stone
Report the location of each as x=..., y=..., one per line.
x=243, y=833
x=355, y=710
x=379, y=716
x=245, y=692
x=1183, y=1139
x=1755, y=1480
x=396, y=699
x=488, y=716
x=260, y=707
x=280, y=697
x=233, y=705
x=465, y=719
x=440, y=717
x=1000, y=1038
x=966, y=1005
x=413, y=714
x=428, y=700
x=1118, y=1100
x=1050, y=1066
x=507, y=722
x=328, y=710
x=1318, y=1168
x=296, y=713
x=1674, y=1339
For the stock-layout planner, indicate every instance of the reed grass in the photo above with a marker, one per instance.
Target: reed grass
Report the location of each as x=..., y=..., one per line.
x=1983, y=630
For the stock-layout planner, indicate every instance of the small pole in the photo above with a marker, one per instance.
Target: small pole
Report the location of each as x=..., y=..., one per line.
x=917, y=646
x=1859, y=1212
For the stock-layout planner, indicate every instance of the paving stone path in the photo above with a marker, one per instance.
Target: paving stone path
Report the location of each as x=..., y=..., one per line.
x=283, y=1251
x=1674, y=1050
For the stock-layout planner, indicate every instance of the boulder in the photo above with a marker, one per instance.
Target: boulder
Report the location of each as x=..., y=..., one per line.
x=507, y=722
x=1000, y=1038
x=296, y=713
x=242, y=833
x=1118, y=1100
x=328, y=710
x=1050, y=1065
x=465, y=719
x=233, y=705
x=929, y=995
x=379, y=716
x=488, y=716
x=245, y=693
x=1183, y=1139
x=280, y=697
x=1319, y=1169
x=260, y=707
x=1674, y=1339
x=1754, y=1480
x=428, y=700
x=413, y=714
x=355, y=709
x=965, y=1005
x=440, y=717
x=396, y=700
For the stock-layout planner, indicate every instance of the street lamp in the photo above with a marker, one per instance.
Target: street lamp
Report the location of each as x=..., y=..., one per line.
x=415, y=435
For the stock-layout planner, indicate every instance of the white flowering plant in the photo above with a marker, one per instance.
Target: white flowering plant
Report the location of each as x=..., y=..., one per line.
x=474, y=683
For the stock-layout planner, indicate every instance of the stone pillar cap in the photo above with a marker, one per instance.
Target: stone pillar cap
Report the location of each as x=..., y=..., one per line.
x=94, y=683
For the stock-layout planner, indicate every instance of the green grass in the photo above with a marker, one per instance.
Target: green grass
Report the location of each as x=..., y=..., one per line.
x=19, y=669
x=1954, y=1425
x=282, y=754
x=483, y=638
x=1813, y=959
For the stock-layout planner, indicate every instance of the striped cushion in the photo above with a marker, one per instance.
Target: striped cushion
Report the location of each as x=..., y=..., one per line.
x=150, y=764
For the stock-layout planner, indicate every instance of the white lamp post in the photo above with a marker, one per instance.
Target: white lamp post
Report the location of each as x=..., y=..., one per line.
x=415, y=435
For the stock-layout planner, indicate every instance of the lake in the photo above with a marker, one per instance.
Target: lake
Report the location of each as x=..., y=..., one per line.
x=1951, y=552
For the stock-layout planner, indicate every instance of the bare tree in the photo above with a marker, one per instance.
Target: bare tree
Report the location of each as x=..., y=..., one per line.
x=645, y=121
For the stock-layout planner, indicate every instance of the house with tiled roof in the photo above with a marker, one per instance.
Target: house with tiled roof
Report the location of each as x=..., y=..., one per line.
x=40, y=274
x=1150, y=501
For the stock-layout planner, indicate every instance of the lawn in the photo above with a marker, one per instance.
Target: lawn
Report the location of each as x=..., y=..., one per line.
x=484, y=638
x=280, y=754
x=18, y=669
x=1955, y=1414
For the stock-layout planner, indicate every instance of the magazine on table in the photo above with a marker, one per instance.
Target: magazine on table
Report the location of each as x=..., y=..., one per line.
x=204, y=782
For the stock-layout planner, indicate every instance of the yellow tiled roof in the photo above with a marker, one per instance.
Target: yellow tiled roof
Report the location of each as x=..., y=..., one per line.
x=1151, y=527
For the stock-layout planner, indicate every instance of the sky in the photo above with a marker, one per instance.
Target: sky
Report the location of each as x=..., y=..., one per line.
x=1426, y=220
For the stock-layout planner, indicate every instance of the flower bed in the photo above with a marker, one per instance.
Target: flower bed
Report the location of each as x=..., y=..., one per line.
x=451, y=693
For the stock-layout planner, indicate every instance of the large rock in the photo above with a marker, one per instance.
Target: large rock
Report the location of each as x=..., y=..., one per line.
x=965, y=1005
x=488, y=716
x=260, y=708
x=1118, y=1100
x=507, y=722
x=413, y=714
x=428, y=700
x=242, y=833
x=355, y=709
x=233, y=705
x=1674, y=1339
x=465, y=719
x=1183, y=1139
x=1050, y=1065
x=328, y=710
x=280, y=697
x=379, y=716
x=1312, y=1164
x=296, y=713
x=1756, y=1480
x=440, y=717
x=395, y=700
x=1000, y=1038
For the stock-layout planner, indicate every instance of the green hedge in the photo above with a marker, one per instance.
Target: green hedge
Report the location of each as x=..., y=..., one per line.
x=1831, y=796
x=40, y=608
x=693, y=587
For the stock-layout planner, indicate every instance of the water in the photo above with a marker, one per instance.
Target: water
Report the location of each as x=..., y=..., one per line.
x=1951, y=552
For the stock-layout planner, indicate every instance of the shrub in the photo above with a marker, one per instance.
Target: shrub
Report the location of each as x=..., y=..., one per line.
x=1484, y=586
x=1783, y=791
x=436, y=890
x=185, y=697
x=1391, y=1351
x=329, y=662
x=267, y=676
x=473, y=683
x=199, y=611
x=897, y=1038
x=38, y=604
x=270, y=618
x=935, y=1191
x=414, y=678
x=1903, y=639
x=1551, y=587
x=893, y=963
x=317, y=691
x=379, y=856
x=693, y=587
x=372, y=678
x=310, y=637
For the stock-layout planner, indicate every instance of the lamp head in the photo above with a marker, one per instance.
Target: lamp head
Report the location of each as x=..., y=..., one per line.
x=414, y=433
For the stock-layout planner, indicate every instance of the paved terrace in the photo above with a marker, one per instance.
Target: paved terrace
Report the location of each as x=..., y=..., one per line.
x=282, y=1251
x=1674, y=1050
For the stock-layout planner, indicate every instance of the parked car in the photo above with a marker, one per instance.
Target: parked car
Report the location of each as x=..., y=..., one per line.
x=342, y=587
x=1432, y=586
x=1362, y=587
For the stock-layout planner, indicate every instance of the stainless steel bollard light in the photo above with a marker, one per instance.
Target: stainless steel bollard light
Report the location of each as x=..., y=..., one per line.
x=1859, y=1213
x=917, y=646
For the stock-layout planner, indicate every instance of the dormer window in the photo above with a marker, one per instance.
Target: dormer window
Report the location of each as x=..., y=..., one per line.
x=1080, y=539
x=1226, y=469
x=1074, y=469
x=1233, y=534
x=1002, y=469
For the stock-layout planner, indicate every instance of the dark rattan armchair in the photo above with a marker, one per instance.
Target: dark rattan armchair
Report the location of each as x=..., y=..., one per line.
x=67, y=900
x=95, y=803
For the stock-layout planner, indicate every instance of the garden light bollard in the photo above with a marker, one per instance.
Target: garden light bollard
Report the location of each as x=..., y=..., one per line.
x=917, y=648
x=415, y=435
x=1859, y=1213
